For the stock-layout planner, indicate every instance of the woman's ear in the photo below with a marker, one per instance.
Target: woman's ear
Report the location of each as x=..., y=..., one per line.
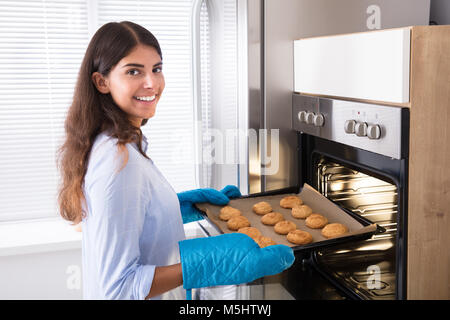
x=100, y=82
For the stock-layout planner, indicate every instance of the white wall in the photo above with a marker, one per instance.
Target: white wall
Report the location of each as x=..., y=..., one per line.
x=47, y=275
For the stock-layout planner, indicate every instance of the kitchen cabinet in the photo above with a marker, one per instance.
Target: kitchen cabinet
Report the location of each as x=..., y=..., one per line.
x=366, y=65
x=429, y=157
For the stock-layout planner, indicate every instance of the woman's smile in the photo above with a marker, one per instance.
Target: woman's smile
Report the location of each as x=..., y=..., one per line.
x=145, y=98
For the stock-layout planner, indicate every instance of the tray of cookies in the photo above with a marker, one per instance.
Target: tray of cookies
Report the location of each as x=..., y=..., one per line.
x=304, y=220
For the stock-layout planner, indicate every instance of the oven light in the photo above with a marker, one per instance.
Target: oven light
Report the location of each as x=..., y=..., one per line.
x=376, y=246
x=342, y=251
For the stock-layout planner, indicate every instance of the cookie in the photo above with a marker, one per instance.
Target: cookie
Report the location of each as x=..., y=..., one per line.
x=299, y=237
x=227, y=212
x=290, y=201
x=262, y=208
x=284, y=227
x=316, y=221
x=238, y=222
x=252, y=232
x=301, y=212
x=263, y=241
x=334, y=230
x=272, y=218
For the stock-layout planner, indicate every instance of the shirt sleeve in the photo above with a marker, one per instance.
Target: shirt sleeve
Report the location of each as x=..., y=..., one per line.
x=115, y=222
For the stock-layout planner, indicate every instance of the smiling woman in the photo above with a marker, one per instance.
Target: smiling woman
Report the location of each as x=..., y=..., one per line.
x=115, y=110
x=119, y=85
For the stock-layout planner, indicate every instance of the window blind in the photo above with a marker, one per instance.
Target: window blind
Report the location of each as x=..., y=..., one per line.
x=42, y=43
x=41, y=47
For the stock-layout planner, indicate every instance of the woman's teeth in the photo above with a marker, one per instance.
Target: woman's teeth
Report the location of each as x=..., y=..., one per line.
x=151, y=98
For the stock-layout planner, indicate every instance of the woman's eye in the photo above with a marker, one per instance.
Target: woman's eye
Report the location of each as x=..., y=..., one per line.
x=157, y=70
x=133, y=72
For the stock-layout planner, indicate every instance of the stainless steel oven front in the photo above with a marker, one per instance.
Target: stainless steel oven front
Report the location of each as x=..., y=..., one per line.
x=356, y=154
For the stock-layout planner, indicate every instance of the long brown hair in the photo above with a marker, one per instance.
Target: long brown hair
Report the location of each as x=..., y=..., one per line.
x=92, y=112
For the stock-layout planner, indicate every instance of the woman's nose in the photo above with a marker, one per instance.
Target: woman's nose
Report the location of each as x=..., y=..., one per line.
x=149, y=81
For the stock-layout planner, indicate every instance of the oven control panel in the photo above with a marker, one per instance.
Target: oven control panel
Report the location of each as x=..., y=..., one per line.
x=362, y=129
x=376, y=128
x=311, y=118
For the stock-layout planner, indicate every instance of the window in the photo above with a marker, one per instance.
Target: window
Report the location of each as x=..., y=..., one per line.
x=42, y=43
x=41, y=47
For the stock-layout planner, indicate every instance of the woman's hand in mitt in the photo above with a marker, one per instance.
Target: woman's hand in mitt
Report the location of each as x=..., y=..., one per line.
x=188, y=199
x=231, y=258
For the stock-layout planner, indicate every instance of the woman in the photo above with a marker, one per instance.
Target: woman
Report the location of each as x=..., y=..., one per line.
x=133, y=239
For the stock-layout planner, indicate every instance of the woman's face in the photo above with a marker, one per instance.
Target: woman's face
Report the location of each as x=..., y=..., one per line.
x=135, y=83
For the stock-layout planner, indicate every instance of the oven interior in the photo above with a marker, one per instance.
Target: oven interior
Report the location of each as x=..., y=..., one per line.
x=366, y=268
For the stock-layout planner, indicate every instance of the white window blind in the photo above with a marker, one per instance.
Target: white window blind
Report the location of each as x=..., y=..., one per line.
x=42, y=44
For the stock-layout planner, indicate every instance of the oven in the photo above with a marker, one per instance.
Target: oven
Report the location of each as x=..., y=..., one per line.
x=355, y=154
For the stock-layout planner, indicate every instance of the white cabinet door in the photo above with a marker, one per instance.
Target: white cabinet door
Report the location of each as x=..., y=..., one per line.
x=369, y=65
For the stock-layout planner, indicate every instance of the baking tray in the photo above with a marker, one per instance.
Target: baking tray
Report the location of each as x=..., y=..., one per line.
x=359, y=228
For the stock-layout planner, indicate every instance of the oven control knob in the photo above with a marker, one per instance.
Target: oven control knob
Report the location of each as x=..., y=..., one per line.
x=310, y=118
x=374, y=131
x=319, y=120
x=361, y=129
x=349, y=126
x=302, y=116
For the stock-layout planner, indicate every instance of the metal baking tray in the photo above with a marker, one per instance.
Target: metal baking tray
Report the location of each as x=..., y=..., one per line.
x=359, y=227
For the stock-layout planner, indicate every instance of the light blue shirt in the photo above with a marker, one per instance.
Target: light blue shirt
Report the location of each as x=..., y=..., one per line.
x=133, y=224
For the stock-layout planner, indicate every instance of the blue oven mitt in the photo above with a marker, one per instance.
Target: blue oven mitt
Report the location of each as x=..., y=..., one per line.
x=231, y=258
x=188, y=198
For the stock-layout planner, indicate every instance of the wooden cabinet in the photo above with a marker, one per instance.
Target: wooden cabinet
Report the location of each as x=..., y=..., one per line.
x=428, y=271
x=413, y=73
